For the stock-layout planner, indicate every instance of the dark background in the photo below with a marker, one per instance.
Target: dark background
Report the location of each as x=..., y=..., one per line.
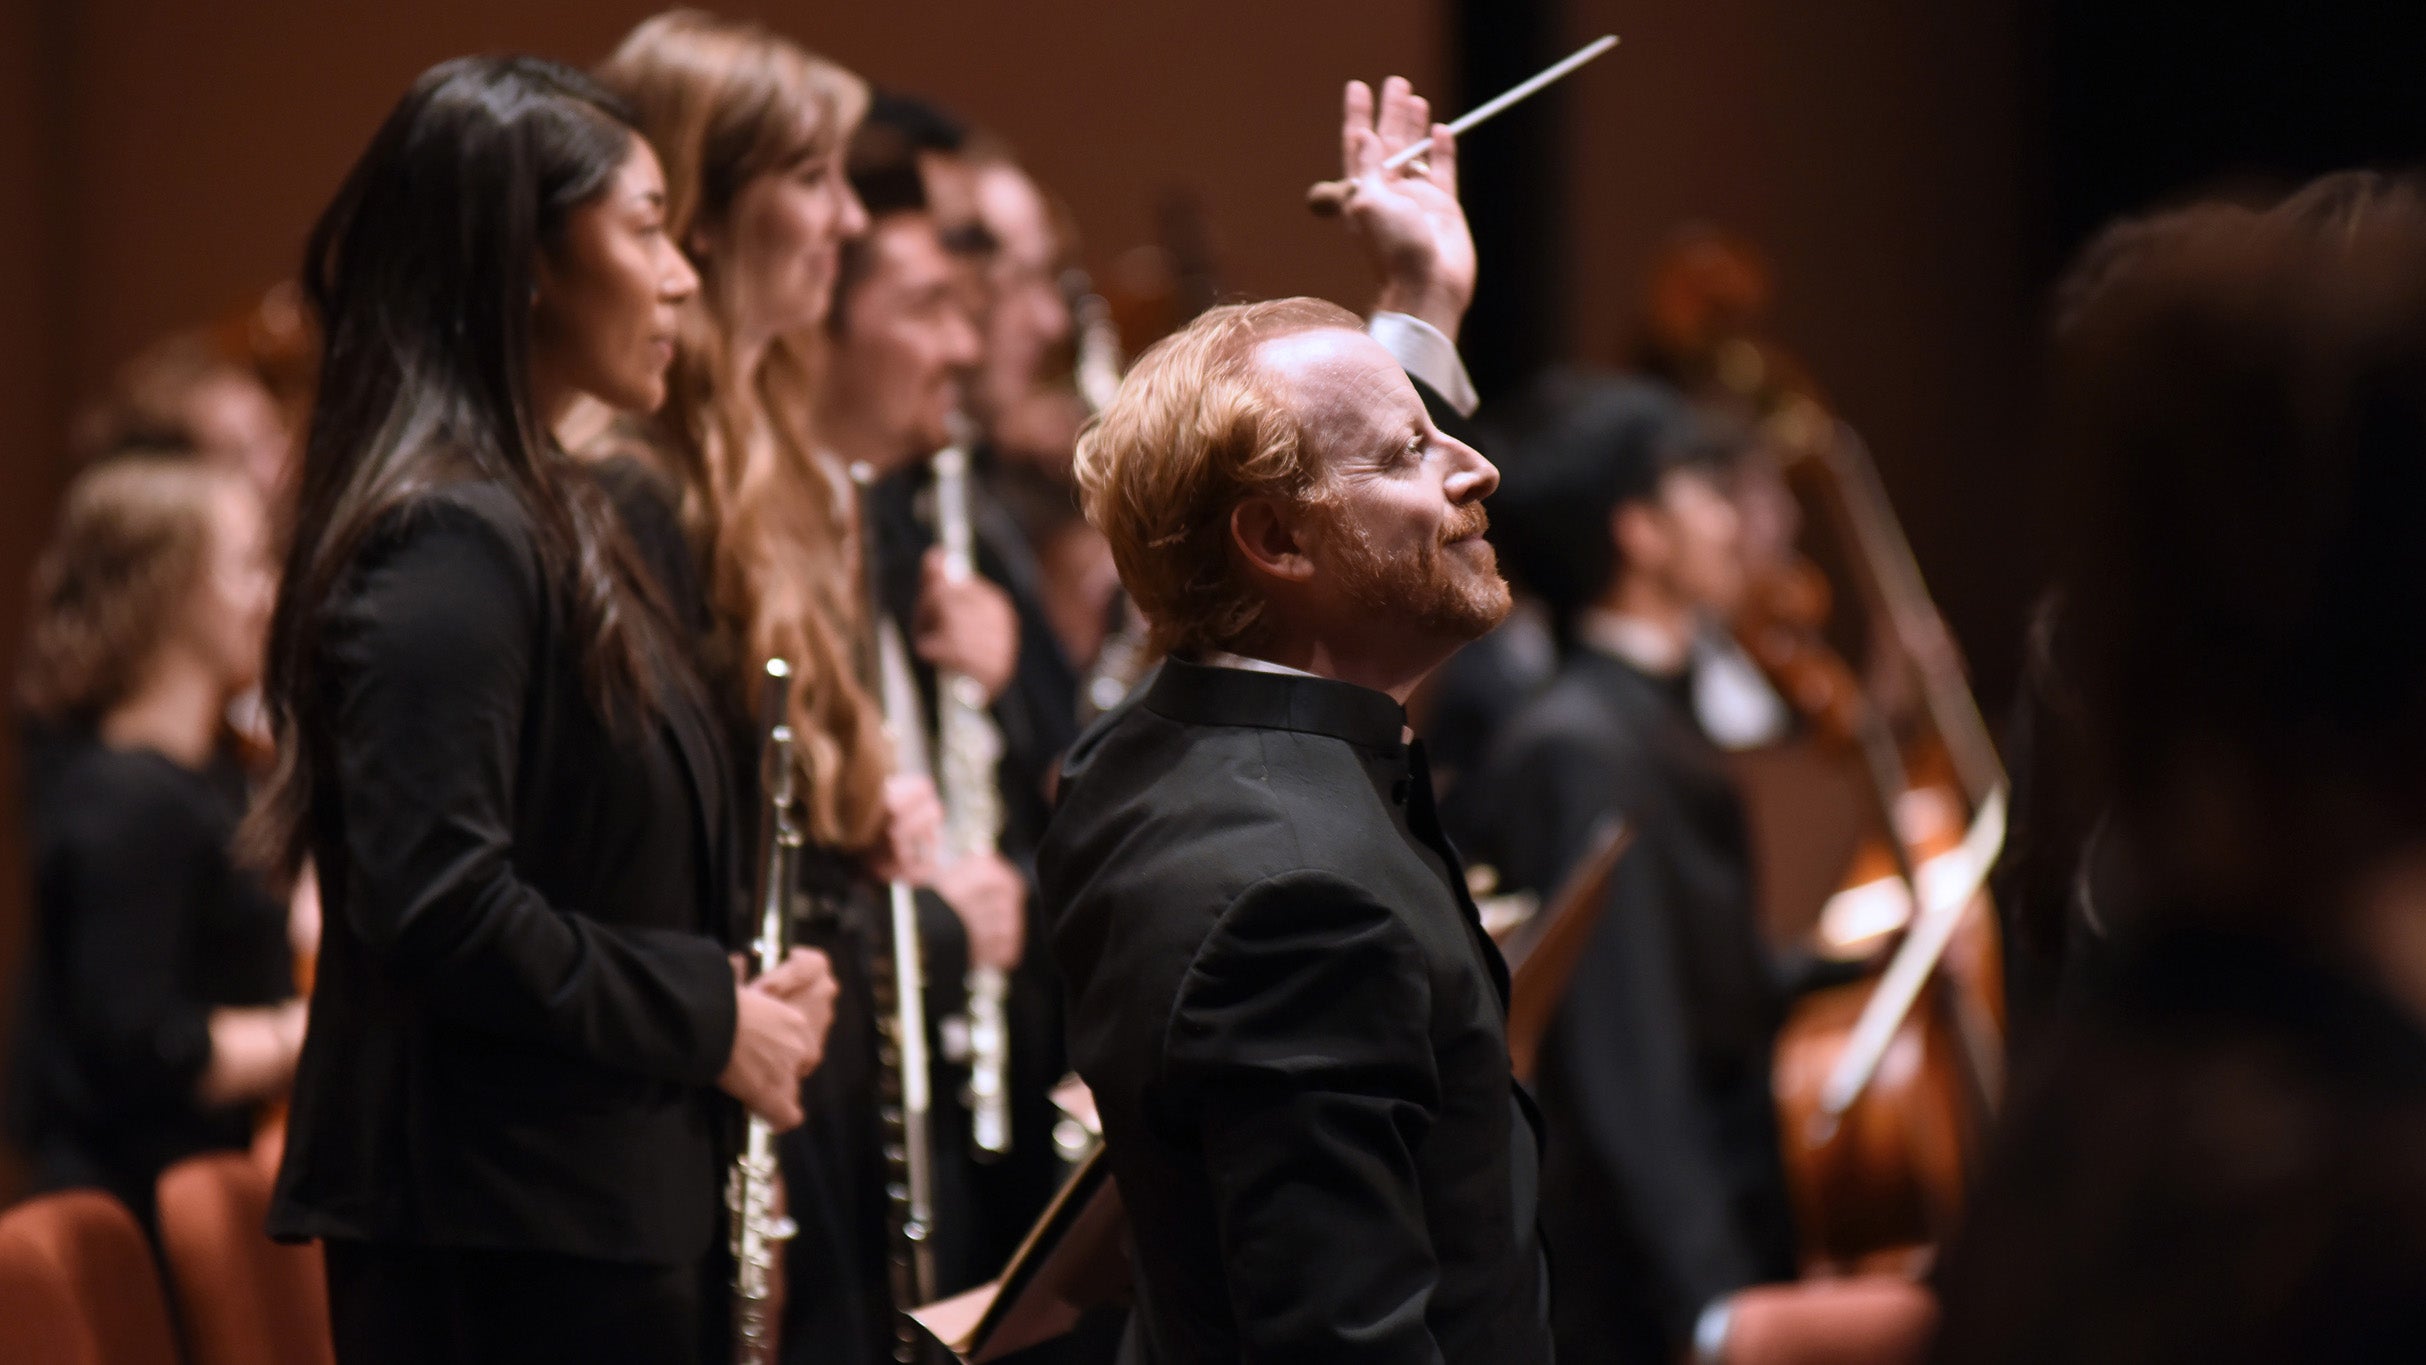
x=1917, y=170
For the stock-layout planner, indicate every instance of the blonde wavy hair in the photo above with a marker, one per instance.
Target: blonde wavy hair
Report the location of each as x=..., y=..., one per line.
x=1194, y=429
x=724, y=102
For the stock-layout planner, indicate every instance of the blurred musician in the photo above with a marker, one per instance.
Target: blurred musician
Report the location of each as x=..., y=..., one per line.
x=506, y=1128
x=899, y=343
x=753, y=130
x=179, y=397
x=1662, y=1187
x=159, y=1008
x=2217, y=1157
x=1004, y=252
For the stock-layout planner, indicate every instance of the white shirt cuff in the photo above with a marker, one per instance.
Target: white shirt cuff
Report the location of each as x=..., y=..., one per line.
x=1710, y=1331
x=1421, y=350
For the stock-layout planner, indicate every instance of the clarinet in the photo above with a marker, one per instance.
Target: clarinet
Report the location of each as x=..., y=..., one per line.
x=968, y=750
x=900, y=991
x=759, y=1228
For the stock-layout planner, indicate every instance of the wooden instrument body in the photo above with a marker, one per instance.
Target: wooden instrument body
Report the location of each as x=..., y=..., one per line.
x=1877, y=1184
x=1875, y=1188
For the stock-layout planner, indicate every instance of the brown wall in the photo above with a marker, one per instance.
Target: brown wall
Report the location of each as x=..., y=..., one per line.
x=207, y=137
x=29, y=413
x=1878, y=153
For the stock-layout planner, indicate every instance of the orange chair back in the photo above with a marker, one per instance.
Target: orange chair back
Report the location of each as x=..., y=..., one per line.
x=245, y=1299
x=78, y=1286
x=39, y=1324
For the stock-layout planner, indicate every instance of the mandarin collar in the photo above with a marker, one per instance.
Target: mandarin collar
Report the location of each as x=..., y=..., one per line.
x=1202, y=694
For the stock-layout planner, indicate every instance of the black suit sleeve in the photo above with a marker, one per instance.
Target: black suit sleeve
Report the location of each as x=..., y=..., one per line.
x=1624, y=1036
x=432, y=656
x=1300, y=1041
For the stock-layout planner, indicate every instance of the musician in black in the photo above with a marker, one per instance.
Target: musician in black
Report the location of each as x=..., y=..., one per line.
x=1662, y=1187
x=1006, y=279
x=752, y=543
x=900, y=339
x=159, y=1008
x=507, y=1127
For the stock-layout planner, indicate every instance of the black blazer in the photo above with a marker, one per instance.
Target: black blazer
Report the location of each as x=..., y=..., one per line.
x=523, y=999
x=1662, y=1187
x=1295, y=1030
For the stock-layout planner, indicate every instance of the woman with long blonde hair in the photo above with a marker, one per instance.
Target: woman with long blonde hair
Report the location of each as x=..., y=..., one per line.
x=753, y=131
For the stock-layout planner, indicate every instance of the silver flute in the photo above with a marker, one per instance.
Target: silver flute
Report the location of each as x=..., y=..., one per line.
x=900, y=991
x=751, y=1191
x=968, y=750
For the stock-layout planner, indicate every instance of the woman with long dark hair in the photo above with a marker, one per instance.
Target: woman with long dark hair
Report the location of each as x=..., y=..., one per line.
x=507, y=1126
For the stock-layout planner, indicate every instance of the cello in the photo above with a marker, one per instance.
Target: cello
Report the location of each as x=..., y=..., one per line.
x=1884, y=1086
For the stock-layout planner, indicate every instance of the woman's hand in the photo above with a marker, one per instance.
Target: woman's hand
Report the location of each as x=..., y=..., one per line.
x=774, y=1046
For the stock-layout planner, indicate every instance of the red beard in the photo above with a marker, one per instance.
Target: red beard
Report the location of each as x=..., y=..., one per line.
x=1453, y=593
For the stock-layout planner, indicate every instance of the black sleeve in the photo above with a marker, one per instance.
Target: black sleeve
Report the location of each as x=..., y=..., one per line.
x=1624, y=1040
x=1300, y=1045
x=431, y=661
x=123, y=886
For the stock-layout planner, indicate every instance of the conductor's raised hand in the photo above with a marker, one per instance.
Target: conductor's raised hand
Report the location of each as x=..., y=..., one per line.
x=1409, y=221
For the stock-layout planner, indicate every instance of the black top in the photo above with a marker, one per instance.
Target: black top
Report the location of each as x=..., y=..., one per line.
x=1663, y=1187
x=143, y=925
x=1294, y=1027
x=2220, y=1162
x=523, y=1000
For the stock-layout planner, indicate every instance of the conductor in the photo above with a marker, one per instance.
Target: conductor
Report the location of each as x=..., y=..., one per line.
x=1292, y=1021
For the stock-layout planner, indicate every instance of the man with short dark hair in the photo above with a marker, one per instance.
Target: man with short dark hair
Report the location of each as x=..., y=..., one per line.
x=1663, y=1192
